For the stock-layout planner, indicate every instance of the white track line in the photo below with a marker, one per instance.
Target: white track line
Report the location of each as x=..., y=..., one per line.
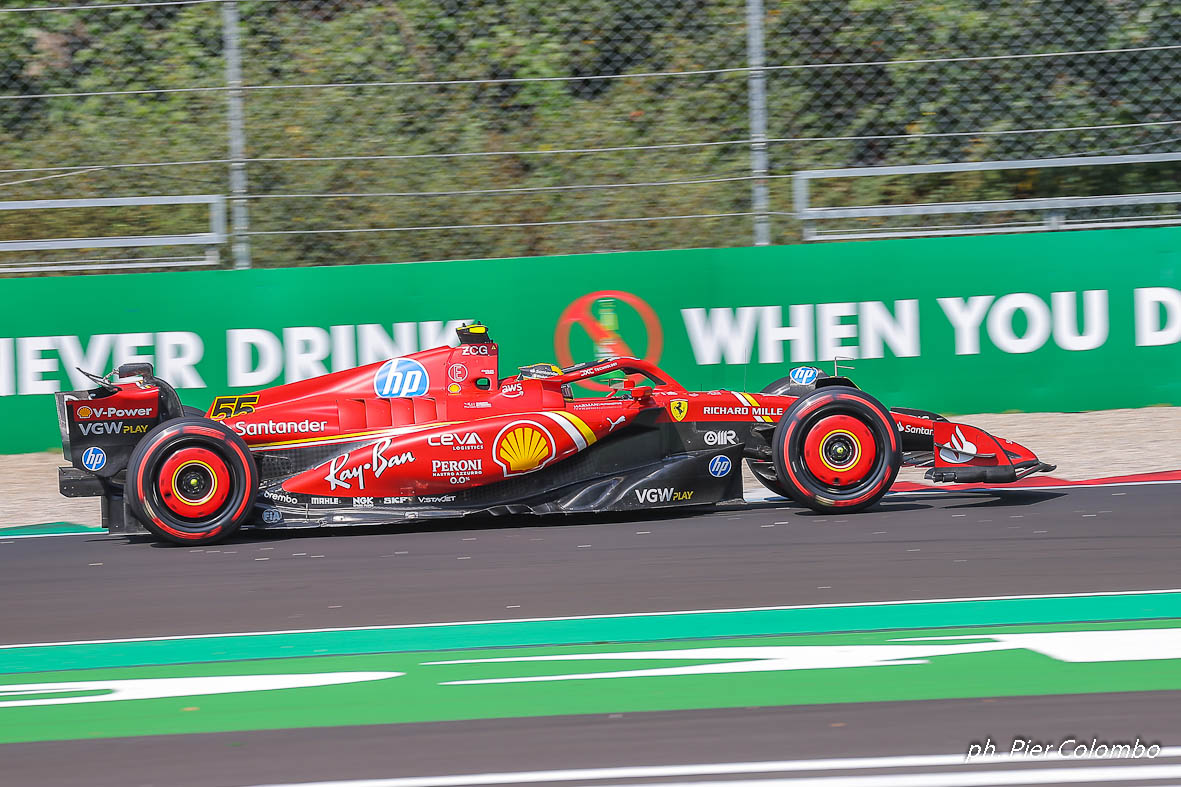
x=936, y=489
x=845, y=605
x=780, y=766
x=1136, y=773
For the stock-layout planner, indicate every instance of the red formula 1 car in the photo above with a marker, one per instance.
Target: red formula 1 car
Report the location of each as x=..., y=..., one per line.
x=440, y=434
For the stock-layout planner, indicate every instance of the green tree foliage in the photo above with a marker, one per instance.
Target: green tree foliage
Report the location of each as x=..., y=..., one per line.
x=835, y=115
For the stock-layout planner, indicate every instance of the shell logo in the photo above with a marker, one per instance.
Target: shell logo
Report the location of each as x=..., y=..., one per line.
x=522, y=447
x=84, y=412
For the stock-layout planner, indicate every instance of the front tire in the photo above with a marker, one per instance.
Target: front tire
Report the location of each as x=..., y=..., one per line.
x=762, y=470
x=191, y=481
x=836, y=450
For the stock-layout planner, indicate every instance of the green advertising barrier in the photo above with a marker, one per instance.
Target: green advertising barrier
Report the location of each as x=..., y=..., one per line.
x=1040, y=322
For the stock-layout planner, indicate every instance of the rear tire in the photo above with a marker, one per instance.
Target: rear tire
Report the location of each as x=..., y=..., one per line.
x=191, y=481
x=836, y=450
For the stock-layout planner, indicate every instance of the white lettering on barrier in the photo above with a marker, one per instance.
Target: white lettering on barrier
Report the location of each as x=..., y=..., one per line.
x=305, y=349
x=1058, y=318
x=879, y=328
x=831, y=330
x=177, y=354
x=725, y=335
x=31, y=366
x=965, y=317
x=1095, y=325
x=1158, y=316
x=718, y=335
x=1037, y=323
x=772, y=334
x=242, y=344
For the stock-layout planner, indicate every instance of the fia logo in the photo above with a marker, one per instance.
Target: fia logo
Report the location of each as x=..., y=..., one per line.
x=719, y=466
x=401, y=377
x=94, y=459
x=804, y=375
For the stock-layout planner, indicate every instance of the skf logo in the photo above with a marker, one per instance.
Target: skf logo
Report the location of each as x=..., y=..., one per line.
x=232, y=406
x=678, y=409
x=666, y=495
x=522, y=447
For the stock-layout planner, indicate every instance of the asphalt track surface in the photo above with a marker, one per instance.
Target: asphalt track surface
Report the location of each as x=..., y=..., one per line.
x=913, y=546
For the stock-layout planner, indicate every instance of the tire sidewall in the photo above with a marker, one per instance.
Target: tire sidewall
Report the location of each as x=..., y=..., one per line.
x=142, y=492
x=787, y=444
x=764, y=471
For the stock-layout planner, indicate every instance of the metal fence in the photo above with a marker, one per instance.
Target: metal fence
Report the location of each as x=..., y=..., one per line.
x=361, y=131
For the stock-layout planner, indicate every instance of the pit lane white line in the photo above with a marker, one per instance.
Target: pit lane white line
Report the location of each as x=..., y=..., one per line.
x=1090, y=594
x=1031, y=776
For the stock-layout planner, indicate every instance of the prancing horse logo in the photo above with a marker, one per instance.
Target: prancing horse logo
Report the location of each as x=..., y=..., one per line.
x=678, y=408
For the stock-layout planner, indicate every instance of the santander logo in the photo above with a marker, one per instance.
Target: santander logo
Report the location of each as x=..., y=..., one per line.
x=961, y=449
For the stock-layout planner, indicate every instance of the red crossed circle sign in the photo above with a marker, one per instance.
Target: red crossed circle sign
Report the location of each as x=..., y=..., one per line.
x=579, y=313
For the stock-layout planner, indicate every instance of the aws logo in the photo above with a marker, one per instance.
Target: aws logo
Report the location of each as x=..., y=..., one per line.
x=524, y=446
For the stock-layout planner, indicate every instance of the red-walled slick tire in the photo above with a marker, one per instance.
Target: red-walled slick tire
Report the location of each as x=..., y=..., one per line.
x=836, y=450
x=761, y=469
x=191, y=481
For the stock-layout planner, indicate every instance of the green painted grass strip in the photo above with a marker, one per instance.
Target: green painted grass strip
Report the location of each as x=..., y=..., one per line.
x=637, y=628
x=48, y=529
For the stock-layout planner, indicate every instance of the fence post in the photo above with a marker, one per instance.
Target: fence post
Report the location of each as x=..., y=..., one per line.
x=756, y=81
x=239, y=215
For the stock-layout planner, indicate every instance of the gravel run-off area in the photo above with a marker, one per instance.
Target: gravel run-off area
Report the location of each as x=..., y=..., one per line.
x=1097, y=444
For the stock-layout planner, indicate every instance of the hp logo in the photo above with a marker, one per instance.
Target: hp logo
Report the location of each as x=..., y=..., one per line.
x=401, y=377
x=804, y=375
x=719, y=467
x=94, y=459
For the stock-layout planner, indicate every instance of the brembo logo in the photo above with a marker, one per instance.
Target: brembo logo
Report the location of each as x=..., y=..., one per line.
x=281, y=497
x=86, y=413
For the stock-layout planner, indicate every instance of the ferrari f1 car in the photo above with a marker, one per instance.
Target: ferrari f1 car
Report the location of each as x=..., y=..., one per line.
x=440, y=434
